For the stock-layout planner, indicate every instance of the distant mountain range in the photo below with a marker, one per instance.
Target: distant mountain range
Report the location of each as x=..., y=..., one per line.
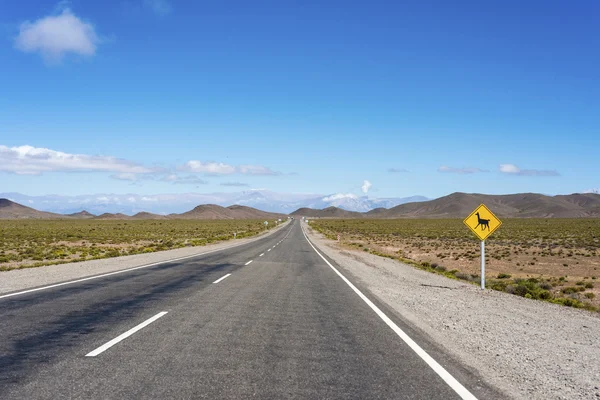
x=456, y=205
x=165, y=204
x=12, y=210
x=460, y=205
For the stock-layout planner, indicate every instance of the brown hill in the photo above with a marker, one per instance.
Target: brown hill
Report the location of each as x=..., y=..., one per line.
x=329, y=212
x=213, y=211
x=147, y=215
x=81, y=215
x=204, y=211
x=11, y=210
x=113, y=216
x=460, y=205
x=521, y=205
x=244, y=212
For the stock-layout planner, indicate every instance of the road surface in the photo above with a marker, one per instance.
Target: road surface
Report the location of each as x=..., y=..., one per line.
x=271, y=319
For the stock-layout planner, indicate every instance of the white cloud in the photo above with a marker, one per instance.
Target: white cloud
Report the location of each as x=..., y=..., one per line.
x=28, y=160
x=211, y=168
x=149, y=198
x=366, y=186
x=339, y=196
x=131, y=199
x=512, y=169
x=159, y=7
x=56, y=35
x=214, y=168
x=468, y=170
x=396, y=170
x=595, y=191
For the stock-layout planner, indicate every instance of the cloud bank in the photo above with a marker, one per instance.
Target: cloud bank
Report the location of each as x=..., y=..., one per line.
x=28, y=160
x=214, y=168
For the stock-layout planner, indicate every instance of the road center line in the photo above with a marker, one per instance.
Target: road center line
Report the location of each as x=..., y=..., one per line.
x=434, y=365
x=248, y=262
x=125, y=335
x=262, y=254
x=221, y=278
x=269, y=250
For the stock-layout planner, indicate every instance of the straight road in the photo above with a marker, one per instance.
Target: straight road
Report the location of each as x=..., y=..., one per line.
x=271, y=319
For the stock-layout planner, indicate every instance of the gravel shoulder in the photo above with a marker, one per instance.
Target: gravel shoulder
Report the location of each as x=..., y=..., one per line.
x=22, y=279
x=528, y=349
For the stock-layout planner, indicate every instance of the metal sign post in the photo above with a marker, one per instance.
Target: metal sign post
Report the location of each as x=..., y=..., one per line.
x=483, y=264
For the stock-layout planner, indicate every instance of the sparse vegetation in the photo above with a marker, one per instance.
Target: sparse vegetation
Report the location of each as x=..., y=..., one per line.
x=533, y=251
x=33, y=243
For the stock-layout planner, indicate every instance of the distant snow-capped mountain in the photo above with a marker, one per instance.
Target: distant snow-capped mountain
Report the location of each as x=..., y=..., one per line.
x=176, y=203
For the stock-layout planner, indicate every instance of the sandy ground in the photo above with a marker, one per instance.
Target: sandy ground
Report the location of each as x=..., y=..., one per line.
x=20, y=279
x=528, y=349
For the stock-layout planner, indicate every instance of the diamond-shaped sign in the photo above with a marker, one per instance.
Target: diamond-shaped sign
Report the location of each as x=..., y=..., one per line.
x=482, y=222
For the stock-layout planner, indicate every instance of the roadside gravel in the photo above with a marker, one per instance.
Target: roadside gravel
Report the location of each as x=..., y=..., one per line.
x=21, y=279
x=528, y=349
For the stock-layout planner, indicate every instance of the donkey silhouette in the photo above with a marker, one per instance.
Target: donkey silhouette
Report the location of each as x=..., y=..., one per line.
x=483, y=222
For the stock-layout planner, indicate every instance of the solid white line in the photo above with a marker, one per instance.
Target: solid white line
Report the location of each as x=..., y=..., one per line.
x=125, y=335
x=248, y=262
x=118, y=272
x=434, y=365
x=221, y=278
x=262, y=254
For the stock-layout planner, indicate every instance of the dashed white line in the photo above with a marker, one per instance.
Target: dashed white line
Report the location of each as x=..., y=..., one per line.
x=262, y=254
x=248, y=262
x=434, y=365
x=125, y=335
x=221, y=278
x=269, y=250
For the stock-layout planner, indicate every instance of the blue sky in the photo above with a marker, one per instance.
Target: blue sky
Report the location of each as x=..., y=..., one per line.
x=173, y=96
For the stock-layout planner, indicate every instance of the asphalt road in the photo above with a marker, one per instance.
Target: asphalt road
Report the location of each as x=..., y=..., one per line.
x=284, y=326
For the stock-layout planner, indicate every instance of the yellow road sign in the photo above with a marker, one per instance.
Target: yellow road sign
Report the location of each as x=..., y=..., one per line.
x=482, y=222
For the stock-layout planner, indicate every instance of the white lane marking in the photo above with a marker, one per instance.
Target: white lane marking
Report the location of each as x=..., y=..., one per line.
x=125, y=335
x=434, y=365
x=269, y=250
x=120, y=271
x=248, y=262
x=221, y=278
x=262, y=254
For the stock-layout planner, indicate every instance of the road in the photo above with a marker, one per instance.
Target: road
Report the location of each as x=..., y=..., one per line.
x=271, y=319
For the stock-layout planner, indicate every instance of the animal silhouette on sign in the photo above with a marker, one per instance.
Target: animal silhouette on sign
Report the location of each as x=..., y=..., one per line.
x=483, y=222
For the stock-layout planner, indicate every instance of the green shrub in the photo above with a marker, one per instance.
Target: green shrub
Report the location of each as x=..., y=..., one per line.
x=504, y=276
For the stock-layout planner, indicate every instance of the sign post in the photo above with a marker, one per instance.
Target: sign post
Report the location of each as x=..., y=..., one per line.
x=482, y=222
x=483, y=264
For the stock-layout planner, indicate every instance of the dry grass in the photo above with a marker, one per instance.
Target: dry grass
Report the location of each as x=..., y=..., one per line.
x=33, y=243
x=557, y=253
